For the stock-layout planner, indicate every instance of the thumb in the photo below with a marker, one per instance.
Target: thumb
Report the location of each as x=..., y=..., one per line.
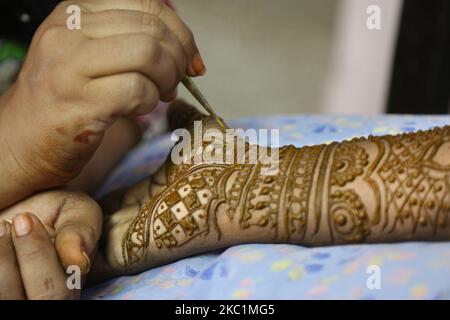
x=72, y=249
x=77, y=232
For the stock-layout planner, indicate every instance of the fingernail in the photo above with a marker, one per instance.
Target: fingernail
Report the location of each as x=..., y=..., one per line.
x=198, y=65
x=22, y=224
x=3, y=229
x=87, y=266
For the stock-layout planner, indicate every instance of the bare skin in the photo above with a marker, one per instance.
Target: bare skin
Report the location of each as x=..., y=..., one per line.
x=381, y=189
x=46, y=233
x=74, y=84
x=120, y=138
x=384, y=189
x=63, y=228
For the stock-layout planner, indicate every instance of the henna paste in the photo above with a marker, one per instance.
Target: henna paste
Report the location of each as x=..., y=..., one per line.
x=364, y=190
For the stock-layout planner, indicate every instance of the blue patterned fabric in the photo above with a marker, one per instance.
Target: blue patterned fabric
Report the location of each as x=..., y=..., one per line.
x=414, y=270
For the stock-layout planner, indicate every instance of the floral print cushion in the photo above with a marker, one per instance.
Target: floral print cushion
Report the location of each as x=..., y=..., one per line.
x=414, y=270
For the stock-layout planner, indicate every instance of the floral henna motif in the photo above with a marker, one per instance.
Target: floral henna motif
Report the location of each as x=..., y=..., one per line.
x=347, y=215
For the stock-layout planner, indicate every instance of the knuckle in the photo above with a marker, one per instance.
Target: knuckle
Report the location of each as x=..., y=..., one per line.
x=153, y=25
x=31, y=254
x=149, y=50
x=136, y=89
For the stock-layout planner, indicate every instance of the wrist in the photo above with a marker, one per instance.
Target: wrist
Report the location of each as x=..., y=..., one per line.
x=15, y=184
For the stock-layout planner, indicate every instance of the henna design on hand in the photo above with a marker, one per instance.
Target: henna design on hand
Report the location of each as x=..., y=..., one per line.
x=412, y=176
x=376, y=189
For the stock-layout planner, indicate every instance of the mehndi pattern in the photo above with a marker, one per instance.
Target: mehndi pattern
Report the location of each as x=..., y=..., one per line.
x=354, y=191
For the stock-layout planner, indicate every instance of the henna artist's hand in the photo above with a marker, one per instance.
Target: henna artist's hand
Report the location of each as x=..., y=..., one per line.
x=36, y=249
x=74, y=84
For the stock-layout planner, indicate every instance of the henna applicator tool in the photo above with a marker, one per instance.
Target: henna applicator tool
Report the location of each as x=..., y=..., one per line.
x=198, y=95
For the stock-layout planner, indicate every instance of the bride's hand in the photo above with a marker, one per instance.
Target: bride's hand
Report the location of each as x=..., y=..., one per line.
x=126, y=206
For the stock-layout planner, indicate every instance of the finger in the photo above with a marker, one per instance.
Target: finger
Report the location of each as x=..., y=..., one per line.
x=129, y=53
x=128, y=94
x=10, y=281
x=171, y=96
x=196, y=66
x=98, y=25
x=182, y=115
x=40, y=269
x=159, y=9
x=77, y=232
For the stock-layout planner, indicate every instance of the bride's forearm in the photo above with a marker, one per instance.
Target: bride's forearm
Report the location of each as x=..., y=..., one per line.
x=391, y=188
